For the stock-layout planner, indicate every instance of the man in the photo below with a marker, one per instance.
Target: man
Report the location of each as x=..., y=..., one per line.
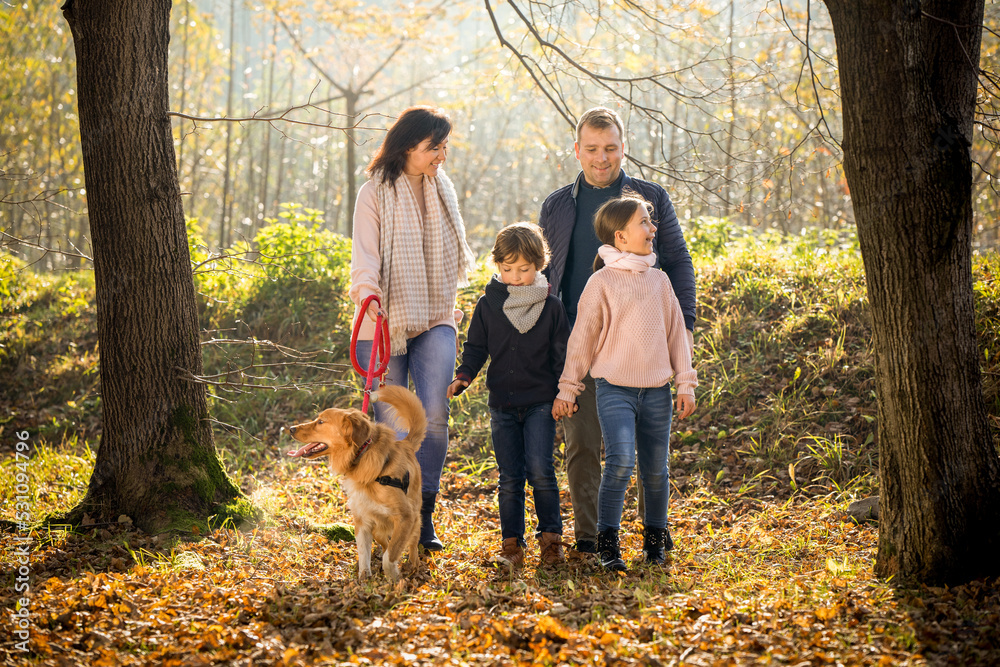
x=567, y=220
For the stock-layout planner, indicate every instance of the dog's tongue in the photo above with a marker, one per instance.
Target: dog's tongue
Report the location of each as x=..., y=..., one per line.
x=305, y=449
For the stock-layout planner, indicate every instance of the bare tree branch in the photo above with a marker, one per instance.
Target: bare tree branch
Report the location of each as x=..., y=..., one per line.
x=253, y=375
x=8, y=239
x=283, y=118
x=709, y=163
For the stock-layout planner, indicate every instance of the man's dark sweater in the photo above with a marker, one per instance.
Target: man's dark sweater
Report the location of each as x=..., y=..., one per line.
x=524, y=368
x=584, y=243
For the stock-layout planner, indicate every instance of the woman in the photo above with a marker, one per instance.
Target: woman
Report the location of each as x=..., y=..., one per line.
x=410, y=251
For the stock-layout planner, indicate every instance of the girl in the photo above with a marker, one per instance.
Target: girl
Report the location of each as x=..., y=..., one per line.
x=410, y=250
x=630, y=334
x=522, y=330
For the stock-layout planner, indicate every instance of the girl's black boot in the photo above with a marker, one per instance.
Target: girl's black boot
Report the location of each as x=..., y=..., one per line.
x=654, y=545
x=610, y=554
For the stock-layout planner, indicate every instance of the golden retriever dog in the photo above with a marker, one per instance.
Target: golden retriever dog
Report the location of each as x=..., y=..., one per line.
x=380, y=474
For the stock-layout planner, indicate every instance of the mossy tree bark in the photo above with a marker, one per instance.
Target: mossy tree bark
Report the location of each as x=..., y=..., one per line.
x=908, y=74
x=156, y=462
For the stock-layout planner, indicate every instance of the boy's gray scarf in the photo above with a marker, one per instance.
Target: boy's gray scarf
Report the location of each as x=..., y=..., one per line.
x=423, y=261
x=522, y=304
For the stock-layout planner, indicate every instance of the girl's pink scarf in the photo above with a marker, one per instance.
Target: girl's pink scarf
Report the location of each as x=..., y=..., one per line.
x=626, y=261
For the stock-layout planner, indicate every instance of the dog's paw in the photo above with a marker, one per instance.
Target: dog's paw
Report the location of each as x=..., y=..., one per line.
x=391, y=571
x=364, y=575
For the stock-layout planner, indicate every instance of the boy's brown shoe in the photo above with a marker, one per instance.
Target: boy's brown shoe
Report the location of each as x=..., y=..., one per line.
x=551, y=547
x=511, y=555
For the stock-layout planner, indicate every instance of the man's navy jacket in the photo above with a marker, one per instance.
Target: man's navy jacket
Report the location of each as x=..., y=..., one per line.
x=558, y=217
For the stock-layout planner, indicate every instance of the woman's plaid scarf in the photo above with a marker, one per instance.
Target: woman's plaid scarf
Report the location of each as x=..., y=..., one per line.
x=422, y=261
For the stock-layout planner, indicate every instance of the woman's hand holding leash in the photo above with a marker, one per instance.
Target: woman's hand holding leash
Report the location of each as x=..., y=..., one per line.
x=375, y=311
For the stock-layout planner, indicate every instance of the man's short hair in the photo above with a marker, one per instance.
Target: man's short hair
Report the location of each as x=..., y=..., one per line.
x=600, y=118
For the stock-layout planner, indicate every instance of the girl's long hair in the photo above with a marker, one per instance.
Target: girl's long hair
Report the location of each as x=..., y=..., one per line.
x=413, y=126
x=615, y=215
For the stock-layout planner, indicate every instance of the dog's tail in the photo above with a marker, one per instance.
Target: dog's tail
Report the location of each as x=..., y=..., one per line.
x=409, y=411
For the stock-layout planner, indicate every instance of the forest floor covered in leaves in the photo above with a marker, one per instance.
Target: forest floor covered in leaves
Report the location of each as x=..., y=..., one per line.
x=750, y=581
x=765, y=569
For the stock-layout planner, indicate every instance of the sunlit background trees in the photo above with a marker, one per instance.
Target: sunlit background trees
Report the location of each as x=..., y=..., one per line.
x=732, y=106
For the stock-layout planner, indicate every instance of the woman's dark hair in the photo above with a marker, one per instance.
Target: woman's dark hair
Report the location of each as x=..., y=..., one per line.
x=614, y=215
x=413, y=126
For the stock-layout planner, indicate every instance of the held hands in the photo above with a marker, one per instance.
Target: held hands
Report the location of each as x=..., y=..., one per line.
x=456, y=387
x=685, y=405
x=561, y=408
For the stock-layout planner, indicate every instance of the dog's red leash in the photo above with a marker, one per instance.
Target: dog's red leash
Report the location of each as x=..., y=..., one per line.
x=380, y=348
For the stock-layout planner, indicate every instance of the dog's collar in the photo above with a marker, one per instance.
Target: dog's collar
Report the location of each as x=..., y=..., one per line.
x=403, y=484
x=365, y=445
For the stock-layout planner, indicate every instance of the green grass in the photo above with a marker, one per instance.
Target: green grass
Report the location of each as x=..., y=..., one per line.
x=782, y=348
x=57, y=476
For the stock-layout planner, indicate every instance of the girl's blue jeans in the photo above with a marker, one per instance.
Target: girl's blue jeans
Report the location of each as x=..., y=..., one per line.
x=635, y=423
x=429, y=362
x=523, y=443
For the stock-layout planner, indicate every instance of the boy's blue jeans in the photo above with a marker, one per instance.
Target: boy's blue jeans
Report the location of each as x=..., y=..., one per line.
x=430, y=362
x=523, y=442
x=635, y=423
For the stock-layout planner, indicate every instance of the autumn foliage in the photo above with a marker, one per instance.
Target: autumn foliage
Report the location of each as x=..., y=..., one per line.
x=765, y=570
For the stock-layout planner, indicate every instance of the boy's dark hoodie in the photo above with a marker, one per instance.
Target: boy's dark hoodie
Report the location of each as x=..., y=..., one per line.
x=524, y=367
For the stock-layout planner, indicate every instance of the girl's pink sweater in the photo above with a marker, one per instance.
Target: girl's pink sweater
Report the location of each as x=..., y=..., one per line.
x=630, y=331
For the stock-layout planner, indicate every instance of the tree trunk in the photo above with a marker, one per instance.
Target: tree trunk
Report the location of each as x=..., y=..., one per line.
x=728, y=178
x=226, y=215
x=908, y=74
x=278, y=192
x=333, y=223
x=184, y=82
x=157, y=461
x=351, y=109
x=265, y=208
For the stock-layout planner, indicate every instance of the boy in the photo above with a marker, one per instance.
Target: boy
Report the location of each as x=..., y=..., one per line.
x=523, y=331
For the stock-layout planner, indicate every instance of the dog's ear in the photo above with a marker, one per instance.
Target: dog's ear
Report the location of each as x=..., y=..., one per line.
x=361, y=427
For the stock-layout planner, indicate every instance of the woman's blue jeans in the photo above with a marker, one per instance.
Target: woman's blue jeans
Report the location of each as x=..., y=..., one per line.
x=429, y=362
x=635, y=423
x=523, y=443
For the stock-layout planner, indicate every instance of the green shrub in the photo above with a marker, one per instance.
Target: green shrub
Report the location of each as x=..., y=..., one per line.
x=280, y=301
x=710, y=237
x=48, y=350
x=288, y=282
